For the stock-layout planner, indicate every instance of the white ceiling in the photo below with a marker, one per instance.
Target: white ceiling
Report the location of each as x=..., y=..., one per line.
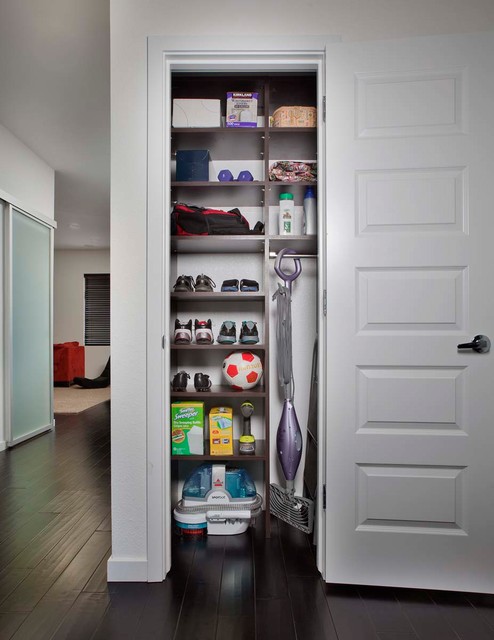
x=55, y=97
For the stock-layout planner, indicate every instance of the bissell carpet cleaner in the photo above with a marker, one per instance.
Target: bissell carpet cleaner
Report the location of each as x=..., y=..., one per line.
x=217, y=500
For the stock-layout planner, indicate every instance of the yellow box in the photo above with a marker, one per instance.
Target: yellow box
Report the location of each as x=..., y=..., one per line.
x=221, y=431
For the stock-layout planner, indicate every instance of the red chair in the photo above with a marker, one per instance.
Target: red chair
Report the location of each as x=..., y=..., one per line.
x=68, y=363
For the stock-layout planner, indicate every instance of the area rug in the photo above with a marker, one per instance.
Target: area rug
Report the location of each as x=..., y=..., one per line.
x=76, y=399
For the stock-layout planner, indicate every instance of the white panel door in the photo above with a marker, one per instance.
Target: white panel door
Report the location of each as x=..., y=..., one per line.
x=410, y=224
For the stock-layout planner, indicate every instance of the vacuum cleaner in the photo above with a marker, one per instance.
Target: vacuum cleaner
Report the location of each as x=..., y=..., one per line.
x=217, y=500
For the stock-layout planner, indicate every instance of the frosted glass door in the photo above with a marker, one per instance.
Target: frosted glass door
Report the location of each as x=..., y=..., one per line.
x=30, y=328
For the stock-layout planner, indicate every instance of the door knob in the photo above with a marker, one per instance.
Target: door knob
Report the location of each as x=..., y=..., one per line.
x=480, y=344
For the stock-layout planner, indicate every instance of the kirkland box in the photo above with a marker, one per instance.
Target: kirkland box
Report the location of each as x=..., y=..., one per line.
x=192, y=165
x=187, y=428
x=221, y=431
x=241, y=109
x=196, y=113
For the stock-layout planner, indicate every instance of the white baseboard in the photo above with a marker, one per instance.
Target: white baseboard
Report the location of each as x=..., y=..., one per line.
x=127, y=569
x=3, y=445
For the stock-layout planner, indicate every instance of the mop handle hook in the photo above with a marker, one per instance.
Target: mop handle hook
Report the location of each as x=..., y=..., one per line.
x=288, y=278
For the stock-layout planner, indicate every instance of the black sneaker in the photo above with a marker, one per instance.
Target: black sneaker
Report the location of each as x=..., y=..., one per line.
x=248, y=332
x=183, y=332
x=249, y=285
x=229, y=285
x=179, y=382
x=202, y=382
x=204, y=283
x=184, y=284
x=228, y=333
x=204, y=332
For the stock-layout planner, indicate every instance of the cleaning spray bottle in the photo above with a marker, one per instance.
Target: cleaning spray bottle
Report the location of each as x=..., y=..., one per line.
x=247, y=440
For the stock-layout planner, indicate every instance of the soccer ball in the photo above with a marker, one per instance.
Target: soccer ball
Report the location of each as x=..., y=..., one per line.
x=242, y=370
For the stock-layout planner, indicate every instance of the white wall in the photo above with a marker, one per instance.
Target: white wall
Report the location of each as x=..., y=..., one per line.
x=2, y=398
x=131, y=22
x=68, y=301
x=25, y=179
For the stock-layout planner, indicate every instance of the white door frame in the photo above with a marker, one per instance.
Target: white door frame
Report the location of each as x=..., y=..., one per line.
x=164, y=56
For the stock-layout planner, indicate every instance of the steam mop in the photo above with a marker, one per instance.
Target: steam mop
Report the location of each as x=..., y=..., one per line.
x=295, y=510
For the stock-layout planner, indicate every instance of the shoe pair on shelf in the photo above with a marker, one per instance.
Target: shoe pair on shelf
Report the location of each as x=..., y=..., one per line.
x=186, y=284
x=203, y=330
x=245, y=285
x=248, y=332
x=201, y=381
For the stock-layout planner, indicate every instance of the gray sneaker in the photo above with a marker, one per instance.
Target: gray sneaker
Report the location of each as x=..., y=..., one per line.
x=228, y=333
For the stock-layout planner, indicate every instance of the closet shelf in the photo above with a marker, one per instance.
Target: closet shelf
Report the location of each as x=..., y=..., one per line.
x=236, y=346
x=260, y=453
x=219, y=185
x=291, y=130
x=217, y=244
x=229, y=131
x=221, y=391
x=286, y=185
x=220, y=296
x=301, y=244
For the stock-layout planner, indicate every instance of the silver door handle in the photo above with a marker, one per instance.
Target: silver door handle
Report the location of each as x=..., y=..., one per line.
x=480, y=344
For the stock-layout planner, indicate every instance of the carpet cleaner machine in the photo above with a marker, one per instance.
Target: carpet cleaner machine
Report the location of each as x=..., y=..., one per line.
x=295, y=510
x=217, y=500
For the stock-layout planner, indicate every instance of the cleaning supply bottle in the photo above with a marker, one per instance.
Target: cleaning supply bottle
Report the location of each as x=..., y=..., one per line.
x=287, y=210
x=310, y=212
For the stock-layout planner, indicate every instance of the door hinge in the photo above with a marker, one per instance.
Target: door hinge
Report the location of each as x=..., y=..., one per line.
x=324, y=497
x=324, y=108
x=324, y=303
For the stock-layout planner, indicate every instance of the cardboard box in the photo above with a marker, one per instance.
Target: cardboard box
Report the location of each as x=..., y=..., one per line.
x=221, y=431
x=241, y=109
x=187, y=428
x=196, y=113
x=192, y=165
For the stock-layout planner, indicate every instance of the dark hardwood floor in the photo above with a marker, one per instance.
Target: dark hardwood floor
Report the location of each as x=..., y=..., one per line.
x=55, y=541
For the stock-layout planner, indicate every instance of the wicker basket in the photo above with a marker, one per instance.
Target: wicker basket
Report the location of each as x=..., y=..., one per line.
x=295, y=117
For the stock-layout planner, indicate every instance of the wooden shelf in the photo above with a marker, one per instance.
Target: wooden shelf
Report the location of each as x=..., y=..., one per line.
x=219, y=296
x=208, y=184
x=217, y=244
x=220, y=391
x=260, y=453
x=236, y=346
x=301, y=244
x=299, y=183
x=292, y=129
x=220, y=130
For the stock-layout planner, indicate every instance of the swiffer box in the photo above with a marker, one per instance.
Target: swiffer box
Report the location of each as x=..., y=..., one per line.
x=241, y=109
x=221, y=431
x=187, y=428
x=196, y=113
x=192, y=165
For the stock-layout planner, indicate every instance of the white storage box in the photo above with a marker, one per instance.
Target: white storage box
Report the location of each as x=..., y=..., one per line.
x=196, y=113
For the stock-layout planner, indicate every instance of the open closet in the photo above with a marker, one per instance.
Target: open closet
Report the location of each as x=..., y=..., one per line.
x=258, y=150
x=404, y=192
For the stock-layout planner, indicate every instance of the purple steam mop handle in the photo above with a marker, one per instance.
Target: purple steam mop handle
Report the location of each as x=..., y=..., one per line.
x=287, y=278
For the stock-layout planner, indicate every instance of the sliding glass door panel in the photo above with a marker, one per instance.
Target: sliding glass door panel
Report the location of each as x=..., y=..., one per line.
x=31, y=377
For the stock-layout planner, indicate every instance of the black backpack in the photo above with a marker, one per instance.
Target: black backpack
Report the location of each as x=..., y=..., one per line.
x=189, y=220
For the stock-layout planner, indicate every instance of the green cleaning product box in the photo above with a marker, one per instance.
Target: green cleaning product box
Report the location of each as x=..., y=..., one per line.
x=187, y=428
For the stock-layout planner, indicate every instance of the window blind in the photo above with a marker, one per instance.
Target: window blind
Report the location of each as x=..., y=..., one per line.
x=97, y=309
